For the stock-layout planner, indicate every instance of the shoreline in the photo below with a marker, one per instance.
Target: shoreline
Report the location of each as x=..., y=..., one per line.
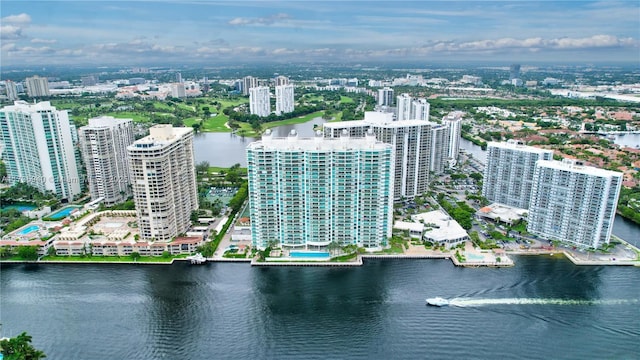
x=360, y=260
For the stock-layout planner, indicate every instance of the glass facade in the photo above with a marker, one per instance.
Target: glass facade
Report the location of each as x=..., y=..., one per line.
x=311, y=192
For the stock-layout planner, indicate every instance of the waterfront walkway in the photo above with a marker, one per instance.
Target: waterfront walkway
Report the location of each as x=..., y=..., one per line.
x=624, y=254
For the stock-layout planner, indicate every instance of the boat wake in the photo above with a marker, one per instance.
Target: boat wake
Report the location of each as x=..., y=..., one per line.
x=471, y=302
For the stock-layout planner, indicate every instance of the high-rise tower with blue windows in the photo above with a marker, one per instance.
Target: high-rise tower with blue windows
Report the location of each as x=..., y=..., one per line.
x=305, y=193
x=39, y=148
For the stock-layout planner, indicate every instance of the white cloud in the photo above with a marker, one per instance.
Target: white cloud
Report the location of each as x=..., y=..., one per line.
x=268, y=20
x=43, y=41
x=533, y=44
x=22, y=19
x=10, y=32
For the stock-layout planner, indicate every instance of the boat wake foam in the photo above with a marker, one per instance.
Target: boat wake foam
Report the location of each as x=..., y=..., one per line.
x=470, y=302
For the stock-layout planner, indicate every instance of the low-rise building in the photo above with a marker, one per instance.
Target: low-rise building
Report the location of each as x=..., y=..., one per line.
x=441, y=229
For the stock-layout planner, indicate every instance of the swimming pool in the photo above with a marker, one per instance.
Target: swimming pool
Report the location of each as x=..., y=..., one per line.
x=308, y=254
x=474, y=257
x=28, y=230
x=20, y=208
x=62, y=213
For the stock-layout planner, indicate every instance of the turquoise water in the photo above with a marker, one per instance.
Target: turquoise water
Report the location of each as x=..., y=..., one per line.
x=307, y=254
x=28, y=229
x=62, y=213
x=19, y=207
x=474, y=257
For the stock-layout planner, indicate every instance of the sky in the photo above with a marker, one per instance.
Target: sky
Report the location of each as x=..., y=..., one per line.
x=209, y=32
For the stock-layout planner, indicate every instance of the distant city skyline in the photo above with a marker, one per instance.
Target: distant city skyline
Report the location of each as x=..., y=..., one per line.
x=137, y=32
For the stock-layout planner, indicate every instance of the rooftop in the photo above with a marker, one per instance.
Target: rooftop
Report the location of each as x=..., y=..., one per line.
x=160, y=136
x=106, y=121
x=502, y=212
x=318, y=143
x=577, y=166
x=516, y=145
x=443, y=227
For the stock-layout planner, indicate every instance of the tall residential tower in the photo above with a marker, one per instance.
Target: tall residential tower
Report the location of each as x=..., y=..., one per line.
x=260, y=101
x=284, y=99
x=508, y=175
x=248, y=82
x=573, y=203
x=309, y=192
x=385, y=96
x=163, y=181
x=39, y=148
x=103, y=143
x=37, y=86
x=410, y=141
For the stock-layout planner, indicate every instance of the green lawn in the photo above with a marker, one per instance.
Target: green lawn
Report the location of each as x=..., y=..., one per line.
x=162, y=106
x=190, y=121
x=227, y=103
x=298, y=120
x=216, y=124
x=345, y=100
x=186, y=107
x=136, y=116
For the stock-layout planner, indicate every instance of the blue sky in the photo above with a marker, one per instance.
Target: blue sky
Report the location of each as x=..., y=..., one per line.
x=135, y=32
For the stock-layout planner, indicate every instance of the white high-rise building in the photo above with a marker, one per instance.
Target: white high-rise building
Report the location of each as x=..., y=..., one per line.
x=39, y=148
x=11, y=89
x=410, y=141
x=37, y=86
x=420, y=109
x=508, y=175
x=305, y=193
x=103, y=143
x=260, y=101
x=439, y=148
x=248, y=82
x=385, y=96
x=281, y=80
x=163, y=180
x=284, y=99
x=573, y=203
x=403, y=107
x=178, y=90
x=454, y=122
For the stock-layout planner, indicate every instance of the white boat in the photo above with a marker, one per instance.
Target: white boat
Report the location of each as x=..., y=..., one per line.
x=437, y=301
x=197, y=259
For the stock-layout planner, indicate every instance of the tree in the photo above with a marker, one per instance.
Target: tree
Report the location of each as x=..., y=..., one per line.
x=5, y=252
x=202, y=168
x=20, y=348
x=3, y=170
x=135, y=256
x=476, y=176
x=28, y=252
x=332, y=247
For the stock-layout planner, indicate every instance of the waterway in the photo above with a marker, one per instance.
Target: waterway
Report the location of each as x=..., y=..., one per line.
x=226, y=149
x=628, y=140
x=543, y=308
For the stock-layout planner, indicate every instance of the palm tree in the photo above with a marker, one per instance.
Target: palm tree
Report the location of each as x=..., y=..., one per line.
x=20, y=347
x=332, y=247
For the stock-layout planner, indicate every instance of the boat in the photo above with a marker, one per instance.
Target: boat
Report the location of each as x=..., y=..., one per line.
x=437, y=301
x=197, y=259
